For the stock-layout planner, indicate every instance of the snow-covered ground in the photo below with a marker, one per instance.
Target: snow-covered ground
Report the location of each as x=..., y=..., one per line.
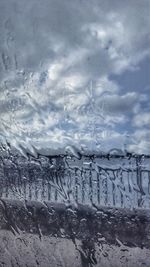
x=27, y=250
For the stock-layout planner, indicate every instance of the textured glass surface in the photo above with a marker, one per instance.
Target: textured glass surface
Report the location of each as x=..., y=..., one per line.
x=75, y=73
x=74, y=133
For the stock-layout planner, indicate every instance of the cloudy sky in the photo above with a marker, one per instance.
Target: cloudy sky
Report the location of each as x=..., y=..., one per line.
x=75, y=72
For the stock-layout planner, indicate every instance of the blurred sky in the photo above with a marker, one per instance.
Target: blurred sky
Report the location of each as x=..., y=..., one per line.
x=75, y=72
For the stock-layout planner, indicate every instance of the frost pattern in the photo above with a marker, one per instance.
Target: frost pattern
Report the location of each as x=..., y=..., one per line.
x=119, y=181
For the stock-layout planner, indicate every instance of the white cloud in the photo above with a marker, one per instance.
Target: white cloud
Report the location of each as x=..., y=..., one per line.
x=119, y=103
x=140, y=141
x=50, y=53
x=143, y=147
x=142, y=119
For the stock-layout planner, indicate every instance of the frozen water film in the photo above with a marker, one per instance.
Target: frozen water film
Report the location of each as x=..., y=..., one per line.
x=75, y=73
x=74, y=133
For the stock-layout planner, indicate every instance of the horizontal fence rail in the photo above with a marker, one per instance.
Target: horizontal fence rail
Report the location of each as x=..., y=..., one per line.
x=116, y=181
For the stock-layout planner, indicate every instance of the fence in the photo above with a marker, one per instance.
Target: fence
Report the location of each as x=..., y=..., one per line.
x=119, y=181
